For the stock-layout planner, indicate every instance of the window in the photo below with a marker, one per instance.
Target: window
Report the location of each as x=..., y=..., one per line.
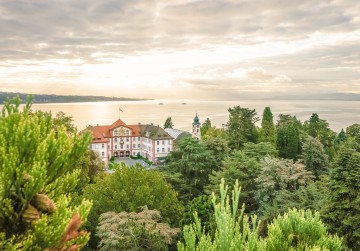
x=168, y=149
x=102, y=154
x=163, y=142
x=134, y=145
x=158, y=142
x=134, y=153
x=115, y=140
x=127, y=146
x=102, y=146
x=157, y=150
x=121, y=146
x=90, y=146
x=163, y=149
x=168, y=142
x=115, y=146
x=138, y=138
x=138, y=145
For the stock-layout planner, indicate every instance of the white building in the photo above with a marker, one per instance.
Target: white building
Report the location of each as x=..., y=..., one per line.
x=122, y=140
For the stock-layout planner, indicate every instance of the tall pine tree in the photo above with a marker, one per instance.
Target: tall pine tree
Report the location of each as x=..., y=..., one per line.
x=342, y=210
x=267, y=133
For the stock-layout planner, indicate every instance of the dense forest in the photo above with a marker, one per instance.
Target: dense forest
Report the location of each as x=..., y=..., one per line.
x=287, y=185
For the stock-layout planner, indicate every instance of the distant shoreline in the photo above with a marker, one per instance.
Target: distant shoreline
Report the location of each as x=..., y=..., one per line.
x=51, y=98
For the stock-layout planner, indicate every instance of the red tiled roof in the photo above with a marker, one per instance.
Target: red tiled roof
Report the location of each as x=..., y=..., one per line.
x=99, y=133
x=135, y=130
x=118, y=123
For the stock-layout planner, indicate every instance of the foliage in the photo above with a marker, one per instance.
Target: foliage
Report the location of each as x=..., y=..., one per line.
x=314, y=157
x=288, y=137
x=91, y=167
x=267, y=132
x=214, y=132
x=234, y=230
x=168, y=123
x=300, y=230
x=241, y=127
x=354, y=131
x=319, y=128
x=341, y=137
x=188, y=168
x=218, y=147
x=205, y=126
x=278, y=182
x=260, y=150
x=342, y=208
x=203, y=206
x=242, y=168
x=134, y=231
x=62, y=120
x=128, y=189
x=37, y=173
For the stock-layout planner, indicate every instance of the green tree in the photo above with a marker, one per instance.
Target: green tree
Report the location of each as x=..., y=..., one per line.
x=214, y=132
x=241, y=127
x=341, y=137
x=267, y=132
x=242, y=168
x=314, y=157
x=279, y=183
x=342, y=207
x=62, y=120
x=296, y=230
x=188, y=168
x=233, y=228
x=354, y=131
x=300, y=230
x=288, y=137
x=37, y=172
x=203, y=206
x=218, y=147
x=205, y=126
x=129, y=189
x=134, y=231
x=319, y=128
x=168, y=123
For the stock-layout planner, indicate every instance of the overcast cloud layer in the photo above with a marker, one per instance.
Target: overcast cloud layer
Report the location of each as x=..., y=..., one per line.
x=218, y=49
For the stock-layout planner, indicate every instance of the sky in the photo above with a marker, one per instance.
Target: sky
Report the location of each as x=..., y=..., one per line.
x=168, y=49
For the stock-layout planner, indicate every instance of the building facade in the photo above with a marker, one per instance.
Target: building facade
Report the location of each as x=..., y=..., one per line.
x=122, y=140
x=196, y=128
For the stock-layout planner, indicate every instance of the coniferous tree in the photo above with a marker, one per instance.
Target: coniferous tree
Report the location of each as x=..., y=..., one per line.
x=342, y=208
x=168, y=123
x=342, y=137
x=288, y=137
x=205, y=126
x=267, y=133
x=37, y=172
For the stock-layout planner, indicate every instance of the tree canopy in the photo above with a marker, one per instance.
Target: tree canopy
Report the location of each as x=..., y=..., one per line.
x=37, y=172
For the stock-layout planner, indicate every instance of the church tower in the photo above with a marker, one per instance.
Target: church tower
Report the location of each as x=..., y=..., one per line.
x=196, y=128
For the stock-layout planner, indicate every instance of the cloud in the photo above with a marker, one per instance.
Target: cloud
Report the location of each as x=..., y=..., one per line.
x=250, y=45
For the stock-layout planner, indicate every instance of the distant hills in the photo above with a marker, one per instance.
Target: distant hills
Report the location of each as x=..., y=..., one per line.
x=325, y=96
x=51, y=98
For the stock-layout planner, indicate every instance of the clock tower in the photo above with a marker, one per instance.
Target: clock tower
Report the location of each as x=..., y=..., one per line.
x=196, y=128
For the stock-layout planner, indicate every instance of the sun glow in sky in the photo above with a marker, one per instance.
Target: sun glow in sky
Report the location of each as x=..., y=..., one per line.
x=203, y=49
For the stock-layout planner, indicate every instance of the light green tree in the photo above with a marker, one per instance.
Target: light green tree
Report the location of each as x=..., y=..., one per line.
x=37, y=172
x=296, y=230
x=267, y=132
x=205, y=126
x=134, y=231
x=129, y=189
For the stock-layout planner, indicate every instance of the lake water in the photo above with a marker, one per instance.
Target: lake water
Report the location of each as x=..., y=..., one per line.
x=339, y=114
